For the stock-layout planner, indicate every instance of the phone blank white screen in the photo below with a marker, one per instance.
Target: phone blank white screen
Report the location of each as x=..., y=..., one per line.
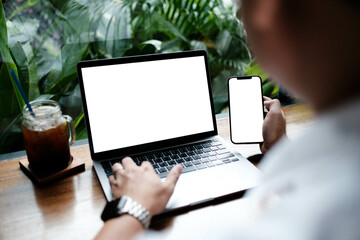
x=246, y=110
x=137, y=103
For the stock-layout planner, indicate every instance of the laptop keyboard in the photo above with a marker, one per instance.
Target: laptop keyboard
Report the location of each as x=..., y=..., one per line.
x=192, y=157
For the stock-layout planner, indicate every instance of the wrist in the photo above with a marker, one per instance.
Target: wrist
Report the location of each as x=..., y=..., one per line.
x=125, y=226
x=126, y=206
x=127, y=220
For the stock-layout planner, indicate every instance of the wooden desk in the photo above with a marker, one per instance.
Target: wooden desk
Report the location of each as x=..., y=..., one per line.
x=71, y=208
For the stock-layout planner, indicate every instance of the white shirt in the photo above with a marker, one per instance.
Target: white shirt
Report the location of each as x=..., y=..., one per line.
x=317, y=178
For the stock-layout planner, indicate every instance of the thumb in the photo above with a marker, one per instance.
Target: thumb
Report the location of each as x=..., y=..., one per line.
x=173, y=176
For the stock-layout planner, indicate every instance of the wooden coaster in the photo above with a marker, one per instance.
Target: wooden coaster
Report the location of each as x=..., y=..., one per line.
x=76, y=166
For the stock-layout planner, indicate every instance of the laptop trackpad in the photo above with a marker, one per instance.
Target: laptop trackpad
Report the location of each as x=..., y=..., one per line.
x=213, y=182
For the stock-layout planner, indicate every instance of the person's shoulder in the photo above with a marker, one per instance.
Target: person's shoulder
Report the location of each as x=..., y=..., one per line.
x=328, y=148
x=333, y=134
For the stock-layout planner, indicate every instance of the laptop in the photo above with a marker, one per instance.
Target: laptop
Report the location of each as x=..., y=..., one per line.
x=159, y=108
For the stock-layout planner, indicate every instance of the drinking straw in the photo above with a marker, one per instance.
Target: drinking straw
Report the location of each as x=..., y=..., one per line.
x=22, y=91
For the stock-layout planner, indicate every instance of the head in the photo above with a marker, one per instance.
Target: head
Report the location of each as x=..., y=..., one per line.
x=311, y=47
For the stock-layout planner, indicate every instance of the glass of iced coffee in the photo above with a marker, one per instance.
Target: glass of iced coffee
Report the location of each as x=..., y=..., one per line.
x=47, y=135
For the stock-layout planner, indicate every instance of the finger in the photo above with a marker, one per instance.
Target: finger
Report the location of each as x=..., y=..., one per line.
x=111, y=179
x=116, y=191
x=173, y=177
x=266, y=98
x=116, y=167
x=263, y=149
x=115, y=186
x=115, y=183
x=128, y=163
x=272, y=105
x=147, y=165
x=118, y=170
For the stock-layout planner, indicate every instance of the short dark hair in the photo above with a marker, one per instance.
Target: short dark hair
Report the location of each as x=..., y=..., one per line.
x=354, y=3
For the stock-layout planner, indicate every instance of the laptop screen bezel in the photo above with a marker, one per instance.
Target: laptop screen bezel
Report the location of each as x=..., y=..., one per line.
x=115, y=153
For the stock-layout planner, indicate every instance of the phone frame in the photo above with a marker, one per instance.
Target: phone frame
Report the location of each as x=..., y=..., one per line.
x=262, y=101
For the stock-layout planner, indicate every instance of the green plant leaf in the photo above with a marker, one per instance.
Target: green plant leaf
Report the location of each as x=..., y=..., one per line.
x=19, y=57
x=141, y=49
x=59, y=81
x=10, y=97
x=11, y=138
x=22, y=29
x=27, y=4
x=81, y=132
x=268, y=89
x=8, y=100
x=27, y=73
x=156, y=43
x=5, y=55
x=220, y=102
x=167, y=27
x=78, y=119
x=44, y=97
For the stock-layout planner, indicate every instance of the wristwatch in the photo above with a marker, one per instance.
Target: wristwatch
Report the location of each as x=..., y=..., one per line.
x=125, y=205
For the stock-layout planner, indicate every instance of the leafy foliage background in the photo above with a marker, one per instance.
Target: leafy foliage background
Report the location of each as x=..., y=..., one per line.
x=43, y=40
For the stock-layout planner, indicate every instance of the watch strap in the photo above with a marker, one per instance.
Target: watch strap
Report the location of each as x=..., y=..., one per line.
x=136, y=210
x=125, y=205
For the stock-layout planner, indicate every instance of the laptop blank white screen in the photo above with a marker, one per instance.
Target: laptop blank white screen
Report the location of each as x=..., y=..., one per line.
x=143, y=102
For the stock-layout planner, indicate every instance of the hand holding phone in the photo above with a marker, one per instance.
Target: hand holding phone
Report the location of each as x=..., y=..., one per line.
x=246, y=109
x=274, y=126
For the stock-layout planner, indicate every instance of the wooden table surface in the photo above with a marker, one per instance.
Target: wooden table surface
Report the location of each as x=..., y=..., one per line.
x=71, y=208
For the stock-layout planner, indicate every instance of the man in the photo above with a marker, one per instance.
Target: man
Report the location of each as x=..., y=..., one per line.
x=312, y=49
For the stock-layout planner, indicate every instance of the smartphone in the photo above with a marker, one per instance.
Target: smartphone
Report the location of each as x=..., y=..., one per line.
x=246, y=109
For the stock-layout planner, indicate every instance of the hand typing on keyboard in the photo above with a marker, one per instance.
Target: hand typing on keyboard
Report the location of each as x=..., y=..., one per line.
x=192, y=157
x=143, y=185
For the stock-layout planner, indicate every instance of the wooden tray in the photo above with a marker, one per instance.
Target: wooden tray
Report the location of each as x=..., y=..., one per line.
x=75, y=167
